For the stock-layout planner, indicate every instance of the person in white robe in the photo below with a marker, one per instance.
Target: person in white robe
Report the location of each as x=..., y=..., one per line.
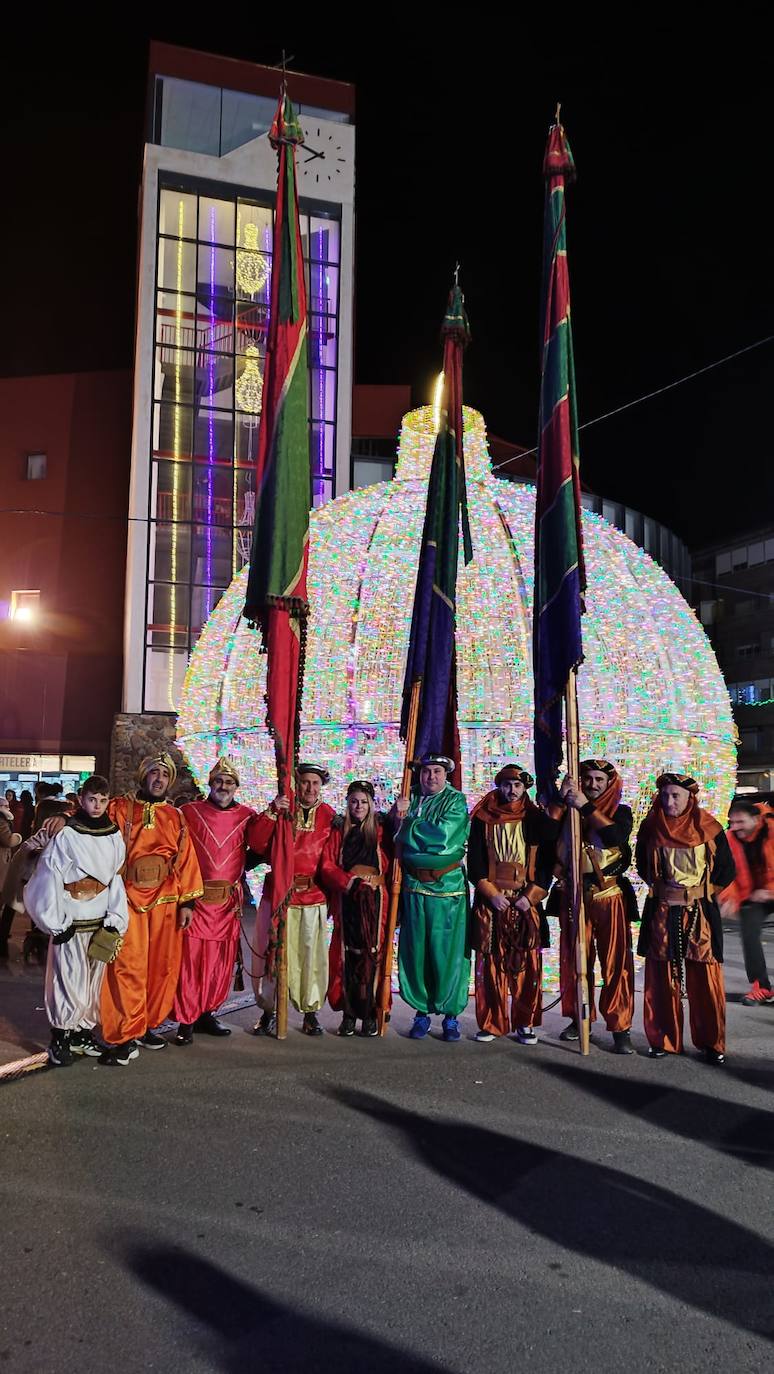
x=75, y=892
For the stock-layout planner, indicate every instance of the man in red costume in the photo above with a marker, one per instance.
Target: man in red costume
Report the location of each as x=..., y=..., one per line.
x=683, y=856
x=307, y=914
x=221, y=830
x=609, y=902
x=162, y=881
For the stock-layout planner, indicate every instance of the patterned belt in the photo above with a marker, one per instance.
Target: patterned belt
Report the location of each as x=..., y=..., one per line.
x=430, y=875
x=83, y=889
x=149, y=871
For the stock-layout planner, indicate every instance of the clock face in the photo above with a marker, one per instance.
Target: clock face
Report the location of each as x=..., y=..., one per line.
x=321, y=159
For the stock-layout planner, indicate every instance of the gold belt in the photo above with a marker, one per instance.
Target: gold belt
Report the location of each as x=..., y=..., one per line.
x=83, y=889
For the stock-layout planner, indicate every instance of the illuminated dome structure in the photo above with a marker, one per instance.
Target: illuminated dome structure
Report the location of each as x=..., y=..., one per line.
x=651, y=695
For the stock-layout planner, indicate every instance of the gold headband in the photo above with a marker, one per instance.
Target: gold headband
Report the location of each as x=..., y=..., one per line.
x=225, y=767
x=161, y=760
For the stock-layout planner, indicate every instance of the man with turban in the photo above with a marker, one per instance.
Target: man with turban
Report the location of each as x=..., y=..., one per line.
x=434, y=950
x=510, y=864
x=683, y=855
x=608, y=899
x=222, y=830
x=162, y=881
x=306, y=916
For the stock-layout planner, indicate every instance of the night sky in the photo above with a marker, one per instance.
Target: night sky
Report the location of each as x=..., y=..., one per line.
x=669, y=237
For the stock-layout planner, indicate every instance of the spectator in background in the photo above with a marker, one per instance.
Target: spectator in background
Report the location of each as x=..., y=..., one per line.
x=751, y=894
x=10, y=839
x=73, y=801
x=49, y=818
x=15, y=807
x=28, y=811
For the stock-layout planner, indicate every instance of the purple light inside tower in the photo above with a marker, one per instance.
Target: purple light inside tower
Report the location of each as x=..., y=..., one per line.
x=210, y=427
x=320, y=483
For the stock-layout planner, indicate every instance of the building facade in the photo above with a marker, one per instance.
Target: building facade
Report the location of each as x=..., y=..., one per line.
x=203, y=290
x=733, y=592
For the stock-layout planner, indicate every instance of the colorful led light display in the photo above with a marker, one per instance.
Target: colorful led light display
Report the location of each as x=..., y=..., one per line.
x=650, y=691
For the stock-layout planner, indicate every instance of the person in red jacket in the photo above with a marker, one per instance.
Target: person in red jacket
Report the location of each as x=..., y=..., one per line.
x=751, y=894
x=354, y=868
x=221, y=829
x=306, y=917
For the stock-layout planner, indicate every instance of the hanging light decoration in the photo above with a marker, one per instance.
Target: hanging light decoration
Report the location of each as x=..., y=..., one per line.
x=251, y=265
x=249, y=387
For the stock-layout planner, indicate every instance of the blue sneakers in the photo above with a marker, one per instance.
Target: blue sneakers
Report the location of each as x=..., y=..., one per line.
x=451, y=1030
x=420, y=1027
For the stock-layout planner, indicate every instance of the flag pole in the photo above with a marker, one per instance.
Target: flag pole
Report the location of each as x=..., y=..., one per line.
x=383, y=1009
x=282, y=987
x=577, y=909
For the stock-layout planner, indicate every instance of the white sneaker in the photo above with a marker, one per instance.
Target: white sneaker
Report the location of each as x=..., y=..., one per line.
x=483, y=1036
x=525, y=1035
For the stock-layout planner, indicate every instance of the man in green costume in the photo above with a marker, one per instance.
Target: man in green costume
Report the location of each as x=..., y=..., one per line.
x=434, y=950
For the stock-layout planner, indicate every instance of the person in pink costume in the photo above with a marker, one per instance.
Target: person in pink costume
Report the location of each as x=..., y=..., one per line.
x=222, y=830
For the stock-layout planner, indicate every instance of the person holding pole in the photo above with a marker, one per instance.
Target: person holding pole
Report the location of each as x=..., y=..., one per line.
x=510, y=862
x=684, y=857
x=354, y=868
x=306, y=915
x=434, y=951
x=609, y=902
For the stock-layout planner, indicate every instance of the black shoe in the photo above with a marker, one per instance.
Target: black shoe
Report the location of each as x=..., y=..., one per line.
x=714, y=1057
x=83, y=1042
x=347, y=1026
x=208, y=1024
x=151, y=1041
x=622, y=1043
x=119, y=1056
x=311, y=1025
x=370, y=1027
x=267, y=1024
x=570, y=1032
x=184, y=1034
x=653, y=1053
x=59, y=1053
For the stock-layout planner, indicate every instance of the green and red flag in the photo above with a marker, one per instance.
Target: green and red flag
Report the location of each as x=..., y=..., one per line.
x=560, y=578
x=276, y=600
x=431, y=655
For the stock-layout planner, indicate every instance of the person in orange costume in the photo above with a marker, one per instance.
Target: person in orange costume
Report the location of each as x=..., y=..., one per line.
x=683, y=855
x=162, y=881
x=609, y=902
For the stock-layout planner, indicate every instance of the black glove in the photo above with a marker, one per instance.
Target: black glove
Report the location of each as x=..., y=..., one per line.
x=63, y=936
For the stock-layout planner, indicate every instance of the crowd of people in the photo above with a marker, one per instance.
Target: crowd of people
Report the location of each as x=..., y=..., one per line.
x=137, y=904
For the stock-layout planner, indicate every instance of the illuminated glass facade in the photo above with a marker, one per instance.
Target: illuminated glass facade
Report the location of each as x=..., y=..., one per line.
x=212, y=289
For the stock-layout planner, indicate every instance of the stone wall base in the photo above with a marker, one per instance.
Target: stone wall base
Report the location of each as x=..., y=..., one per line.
x=135, y=735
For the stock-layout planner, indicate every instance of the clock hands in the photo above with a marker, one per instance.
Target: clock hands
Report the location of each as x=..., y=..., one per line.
x=313, y=153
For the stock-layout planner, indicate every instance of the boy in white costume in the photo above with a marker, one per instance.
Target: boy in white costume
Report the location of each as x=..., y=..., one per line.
x=76, y=890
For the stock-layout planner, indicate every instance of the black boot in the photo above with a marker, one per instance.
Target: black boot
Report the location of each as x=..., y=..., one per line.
x=311, y=1025
x=570, y=1032
x=622, y=1043
x=59, y=1052
x=267, y=1024
x=347, y=1026
x=208, y=1024
x=714, y=1057
x=184, y=1034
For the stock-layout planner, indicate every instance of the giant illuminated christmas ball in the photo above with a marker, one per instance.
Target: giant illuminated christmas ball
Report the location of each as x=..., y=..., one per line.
x=651, y=695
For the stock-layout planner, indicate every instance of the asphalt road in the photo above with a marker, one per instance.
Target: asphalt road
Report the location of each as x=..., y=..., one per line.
x=342, y=1206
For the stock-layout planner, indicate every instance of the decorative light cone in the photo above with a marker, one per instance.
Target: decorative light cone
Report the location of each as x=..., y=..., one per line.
x=651, y=694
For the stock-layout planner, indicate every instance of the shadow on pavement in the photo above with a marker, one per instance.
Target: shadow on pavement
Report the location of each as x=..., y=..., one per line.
x=678, y=1247
x=747, y=1133
x=244, y=1331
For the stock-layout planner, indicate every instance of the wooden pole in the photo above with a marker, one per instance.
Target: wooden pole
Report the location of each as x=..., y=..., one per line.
x=282, y=987
x=383, y=1008
x=576, y=876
